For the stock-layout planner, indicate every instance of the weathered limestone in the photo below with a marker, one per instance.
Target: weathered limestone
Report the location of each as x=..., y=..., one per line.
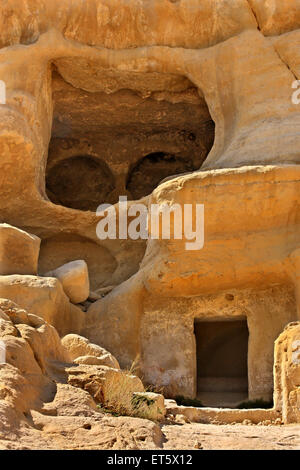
x=294, y=270
x=44, y=297
x=150, y=405
x=287, y=373
x=250, y=118
x=276, y=17
x=6, y=328
x=19, y=251
x=246, y=252
x=27, y=372
x=111, y=387
x=224, y=415
x=3, y=348
x=84, y=352
x=121, y=24
x=36, y=403
x=120, y=95
x=74, y=277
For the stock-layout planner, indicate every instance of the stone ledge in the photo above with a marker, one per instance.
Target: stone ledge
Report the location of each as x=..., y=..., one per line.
x=223, y=415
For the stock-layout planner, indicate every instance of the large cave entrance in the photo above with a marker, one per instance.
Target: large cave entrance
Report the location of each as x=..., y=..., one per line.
x=117, y=133
x=124, y=142
x=222, y=357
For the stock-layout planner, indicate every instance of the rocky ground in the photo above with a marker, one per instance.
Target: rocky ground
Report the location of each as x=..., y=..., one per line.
x=103, y=432
x=61, y=391
x=231, y=437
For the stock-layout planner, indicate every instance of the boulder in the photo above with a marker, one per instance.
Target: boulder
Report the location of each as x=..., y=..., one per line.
x=19, y=251
x=45, y=298
x=149, y=405
x=33, y=352
x=74, y=277
x=70, y=401
x=84, y=352
x=6, y=329
x=113, y=388
x=12, y=312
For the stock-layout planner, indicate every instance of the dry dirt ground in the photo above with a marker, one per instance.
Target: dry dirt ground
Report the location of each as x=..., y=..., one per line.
x=231, y=437
x=105, y=433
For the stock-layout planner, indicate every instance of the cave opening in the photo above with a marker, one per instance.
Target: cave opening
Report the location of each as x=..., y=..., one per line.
x=123, y=142
x=222, y=362
x=146, y=175
x=80, y=182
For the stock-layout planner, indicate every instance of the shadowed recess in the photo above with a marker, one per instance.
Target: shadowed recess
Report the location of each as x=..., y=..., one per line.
x=80, y=182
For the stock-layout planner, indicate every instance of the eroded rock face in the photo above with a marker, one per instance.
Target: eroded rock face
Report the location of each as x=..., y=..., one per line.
x=114, y=108
x=19, y=251
x=74, y=277
x=119, y=96
x=43, y=296
x=238, y=277
x=36, y=401
x=83, y=352
x=287, y=373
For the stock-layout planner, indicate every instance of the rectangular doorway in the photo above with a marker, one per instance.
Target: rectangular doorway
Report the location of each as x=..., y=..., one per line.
x=222, y=362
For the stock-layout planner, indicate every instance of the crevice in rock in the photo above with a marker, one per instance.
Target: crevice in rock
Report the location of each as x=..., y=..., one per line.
x=284, y=63
x=254, y=14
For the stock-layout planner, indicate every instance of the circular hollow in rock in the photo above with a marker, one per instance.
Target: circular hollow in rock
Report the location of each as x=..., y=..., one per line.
x=80, y=182
x=152, y=169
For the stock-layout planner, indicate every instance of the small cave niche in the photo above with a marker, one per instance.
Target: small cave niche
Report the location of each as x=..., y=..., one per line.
x=152, y=169
x=63, y=248
x=80, y=182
